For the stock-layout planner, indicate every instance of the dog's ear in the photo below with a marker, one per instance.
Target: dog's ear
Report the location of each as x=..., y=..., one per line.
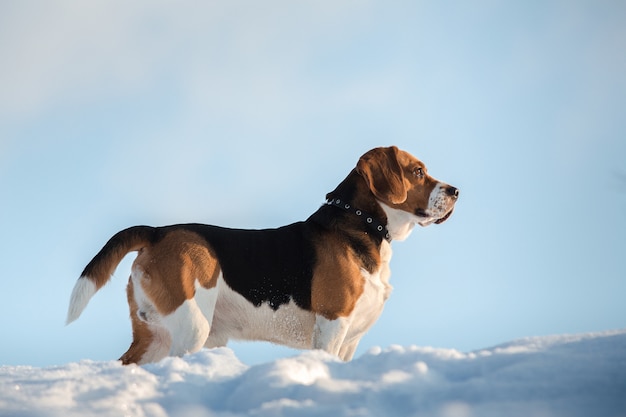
x=384, y=175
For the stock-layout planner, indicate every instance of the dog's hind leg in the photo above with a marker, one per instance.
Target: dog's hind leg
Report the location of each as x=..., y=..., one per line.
x=150, y=343
x=190, y=324
x=188, y=328
x=183, y=330
x=174, y=292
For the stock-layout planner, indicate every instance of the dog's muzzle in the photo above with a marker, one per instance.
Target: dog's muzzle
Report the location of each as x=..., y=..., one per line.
x=453, y=193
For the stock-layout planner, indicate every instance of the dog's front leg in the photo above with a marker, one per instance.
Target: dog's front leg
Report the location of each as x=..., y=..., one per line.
x=329, y=335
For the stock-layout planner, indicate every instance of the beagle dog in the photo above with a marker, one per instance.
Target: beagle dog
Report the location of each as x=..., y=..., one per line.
x=315, y=284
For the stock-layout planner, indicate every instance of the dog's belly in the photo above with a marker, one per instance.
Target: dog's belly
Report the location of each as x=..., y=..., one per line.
x=237, y=318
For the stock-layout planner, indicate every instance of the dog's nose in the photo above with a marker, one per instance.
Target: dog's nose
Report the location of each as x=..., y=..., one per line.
x=452, y=192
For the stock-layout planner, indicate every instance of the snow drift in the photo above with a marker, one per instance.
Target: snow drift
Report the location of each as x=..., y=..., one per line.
x=572, y=375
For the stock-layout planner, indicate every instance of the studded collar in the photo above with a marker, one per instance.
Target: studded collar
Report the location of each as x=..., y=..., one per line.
x=370, y=221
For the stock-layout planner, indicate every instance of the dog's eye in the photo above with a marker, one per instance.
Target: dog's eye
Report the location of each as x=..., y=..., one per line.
x=418, y=172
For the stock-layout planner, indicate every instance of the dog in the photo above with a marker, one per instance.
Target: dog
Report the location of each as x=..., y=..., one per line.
x=315, y=284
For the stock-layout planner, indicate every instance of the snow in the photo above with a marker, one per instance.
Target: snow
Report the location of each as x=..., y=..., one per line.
x=568, y=375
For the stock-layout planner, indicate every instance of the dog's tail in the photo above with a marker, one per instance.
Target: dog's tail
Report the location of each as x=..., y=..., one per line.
x=98, y=272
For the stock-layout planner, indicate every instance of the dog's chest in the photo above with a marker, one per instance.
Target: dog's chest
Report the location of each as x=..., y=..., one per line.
x=375, y=292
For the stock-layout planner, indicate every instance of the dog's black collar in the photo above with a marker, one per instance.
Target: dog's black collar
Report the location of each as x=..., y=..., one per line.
x=370, y=221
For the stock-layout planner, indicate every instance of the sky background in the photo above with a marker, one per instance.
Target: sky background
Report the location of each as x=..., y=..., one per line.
x=245, y=114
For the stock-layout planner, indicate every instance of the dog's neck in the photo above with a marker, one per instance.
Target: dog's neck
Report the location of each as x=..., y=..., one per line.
x=370, y=221
x=399, y=222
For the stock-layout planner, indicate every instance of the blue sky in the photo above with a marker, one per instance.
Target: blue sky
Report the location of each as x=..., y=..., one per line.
x=244, y=114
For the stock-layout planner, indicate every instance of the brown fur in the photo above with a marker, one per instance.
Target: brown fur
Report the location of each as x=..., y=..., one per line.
x=170, y=268
x=142, y=335
x=391, y=176
x=337, y=281
x=418, y=189
x=382, y=171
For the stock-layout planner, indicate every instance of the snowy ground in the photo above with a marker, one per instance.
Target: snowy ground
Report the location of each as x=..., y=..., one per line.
x=569, y=376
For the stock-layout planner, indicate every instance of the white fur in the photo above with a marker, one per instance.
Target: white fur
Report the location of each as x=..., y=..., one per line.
x=146, y=310
x=370, y=305
x=329, y=335
x=236, y=318
x=438, y=203
x=188, y=328
x=206, y=299
x=159, y=347
x=185, y=330
x=161, y=338
x=400, y=223
x=83, y=290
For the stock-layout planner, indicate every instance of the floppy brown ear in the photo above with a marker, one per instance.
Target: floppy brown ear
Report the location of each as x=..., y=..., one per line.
x=383, y=173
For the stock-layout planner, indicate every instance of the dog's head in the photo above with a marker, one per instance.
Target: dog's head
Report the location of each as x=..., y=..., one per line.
x=407, y=193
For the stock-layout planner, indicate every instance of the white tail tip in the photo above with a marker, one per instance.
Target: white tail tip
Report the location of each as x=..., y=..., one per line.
x=82, y=293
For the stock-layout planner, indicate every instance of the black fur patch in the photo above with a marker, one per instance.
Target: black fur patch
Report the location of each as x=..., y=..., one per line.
x=269, y=266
